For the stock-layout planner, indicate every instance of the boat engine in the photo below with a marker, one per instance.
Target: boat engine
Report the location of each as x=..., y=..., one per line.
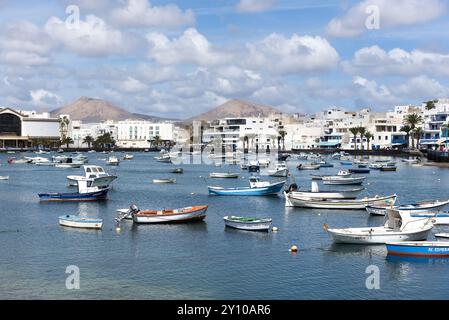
x=134, y=208
x=293, y=187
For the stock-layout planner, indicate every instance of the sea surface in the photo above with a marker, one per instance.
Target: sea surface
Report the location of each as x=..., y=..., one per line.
x=202, y=260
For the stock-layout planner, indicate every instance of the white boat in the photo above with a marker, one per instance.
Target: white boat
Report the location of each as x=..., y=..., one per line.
x=315, y=193
x=222, y=175
x=264, y=162
x=398, y=227
x=417, y=208
x=444, y=236
x=68, y=165
x=80, y=222
x=45, y=164
x=188, y=214
x=95, y=174
x=42, y=152
x=173, y=180
x=113, y=161
x=280, y=170
x=358, y=204
x=35, y=160
x=128, y=157
x=249, y=224
x=164, y=158
x=341, y=173
x=411, y=161
x=4, y=177
x=343, y=180
x=308, y=166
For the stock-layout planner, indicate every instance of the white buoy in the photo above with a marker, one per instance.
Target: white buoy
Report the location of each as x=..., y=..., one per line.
x=294, y=248
x=193, y=193
x=275, y=229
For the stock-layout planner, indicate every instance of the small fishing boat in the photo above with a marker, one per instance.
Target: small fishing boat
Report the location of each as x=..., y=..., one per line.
x=341, y=173
x=292, y=200
x=128, y=157
x=80, y=222
x=113, y=161
x=68, y=165
x=280, y=170
x=244, y=166
x=4, y=177
x=343, y=180
x=224, y=175
x=398, y=227
x=388, y=168
x=256, y=188
x=264, y=163
x=86, y=192
x=324, y=164
x=441, y=218
x=443, y=236
x=95, y=174
x=315, y=193
x=253, y=168
x=188, y=214
x=346, y=163
x=75, y=196
x=376, y=166
x=250, y=224
x=417, y=210
x=429, y=249
x=359, y=170
x=308, y=166
x=411, y=161
x=360, y=162
x=178, y=170
x=172, y=180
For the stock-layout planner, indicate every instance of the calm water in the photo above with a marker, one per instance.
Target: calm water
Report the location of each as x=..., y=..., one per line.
x=201, y=260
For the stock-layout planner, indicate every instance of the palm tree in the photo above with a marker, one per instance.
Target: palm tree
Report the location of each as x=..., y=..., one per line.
x=157, y=141
x=413, y=120
x=418, y=133
x=362, y=131
x=67, y=141
x=89, y=140
x=64, y=126
x=368, y=136
x=407, y=129
x=355, y=132
x=283, y=133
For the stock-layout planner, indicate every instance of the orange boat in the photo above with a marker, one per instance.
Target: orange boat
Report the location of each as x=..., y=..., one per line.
x=187, y=214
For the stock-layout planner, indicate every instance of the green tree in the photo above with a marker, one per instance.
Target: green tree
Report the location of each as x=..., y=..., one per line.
x=369, y=136
x=413, y=120
x=418, y=134
x=104, y=141
x=355, y=132
x=64, y=126
x=362, y=131
x=67, y=141
x=282, y=134
x=407, y=129
x=89, y=140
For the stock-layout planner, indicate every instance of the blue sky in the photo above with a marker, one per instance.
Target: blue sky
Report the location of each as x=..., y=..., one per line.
x=179, y=58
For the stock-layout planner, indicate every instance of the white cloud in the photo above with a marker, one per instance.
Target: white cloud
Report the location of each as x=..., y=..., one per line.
x=140, y=13
x=392, y=14
x=43, y=97
x=191, y=47
x=254, y=5
x=280, y=55
x=132, y=85
x=375, y=60
x=93, y=37
x=23, y=43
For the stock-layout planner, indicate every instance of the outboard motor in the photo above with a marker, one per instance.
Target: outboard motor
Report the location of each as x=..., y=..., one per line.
x=293, y=187
x=134, y=208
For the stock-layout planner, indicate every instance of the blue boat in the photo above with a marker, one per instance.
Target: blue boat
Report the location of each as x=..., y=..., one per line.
x=419, y=249
x=256, y=188
x=75, y=196
x=359, y=171
x=346, y=163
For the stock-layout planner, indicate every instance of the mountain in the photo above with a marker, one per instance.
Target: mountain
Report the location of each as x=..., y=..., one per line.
x=235, y=109
x=97, y=110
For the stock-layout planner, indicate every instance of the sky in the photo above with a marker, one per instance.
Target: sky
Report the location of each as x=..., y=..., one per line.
x=180, y=58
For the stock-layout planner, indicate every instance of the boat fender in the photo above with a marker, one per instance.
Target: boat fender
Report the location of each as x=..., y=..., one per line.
x=325, y=227
x=275, y=229
x=294, y=248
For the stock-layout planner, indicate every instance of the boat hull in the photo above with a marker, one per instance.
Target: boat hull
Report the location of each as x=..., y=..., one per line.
x=419, y=249
x=366, y=238
x=264, y=225
x=343, y=181
x=82, y=223
x=91, y=196
x=247, y=191
x=192, y=216
x=292, y=201
x=349, y=194
x=278, y=173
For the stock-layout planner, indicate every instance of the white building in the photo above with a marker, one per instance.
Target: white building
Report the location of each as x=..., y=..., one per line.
x=18, y=129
